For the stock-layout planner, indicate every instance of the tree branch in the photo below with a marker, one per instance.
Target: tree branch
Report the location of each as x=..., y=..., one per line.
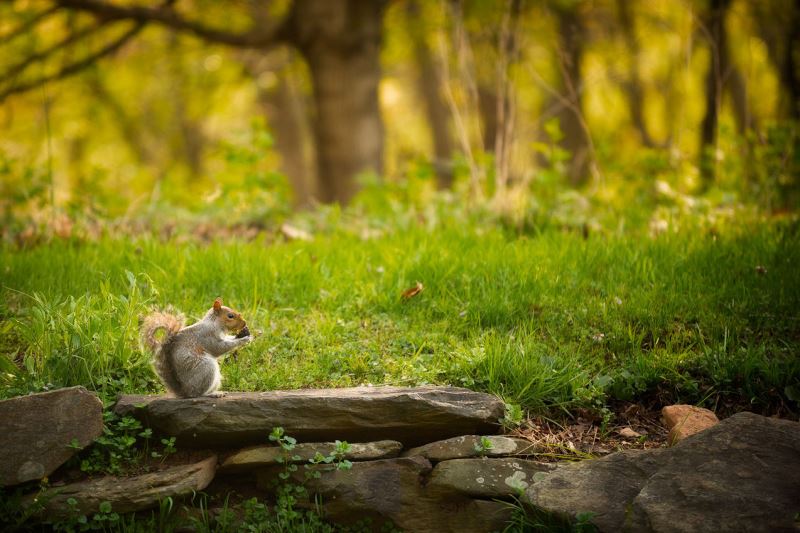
x=165, y=16
x=28, y=24
x=44, y=54
x=77, y=66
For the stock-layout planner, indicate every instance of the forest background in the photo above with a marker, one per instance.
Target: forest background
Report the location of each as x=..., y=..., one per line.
x=565, y=202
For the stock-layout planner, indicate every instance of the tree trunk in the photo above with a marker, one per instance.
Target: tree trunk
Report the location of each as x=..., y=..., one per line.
x=340, y=40
x=737, y=87
x=429, y=83
x=576, y=139
x=633, y=85
x=487, y=107
x=283, y=106
x=714, y=24
x=778, y=25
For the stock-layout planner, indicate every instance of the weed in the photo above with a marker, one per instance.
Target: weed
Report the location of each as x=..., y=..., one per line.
x=483, y=446
x=527, y=518
x=512, y=418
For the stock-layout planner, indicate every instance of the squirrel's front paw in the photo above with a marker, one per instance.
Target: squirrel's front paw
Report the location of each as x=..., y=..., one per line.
x=216, y=394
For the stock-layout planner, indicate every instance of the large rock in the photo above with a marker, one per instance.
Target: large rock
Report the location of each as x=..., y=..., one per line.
x=686, y=420
x=485, y=478
x=261, y=456
x=391, y=490
x=412, y=416
x=36, y=431
x=604, y=487
x=127, y=494
x=740, y=475
x=467, y=446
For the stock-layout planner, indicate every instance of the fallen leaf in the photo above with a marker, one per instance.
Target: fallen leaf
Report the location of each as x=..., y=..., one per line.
x=293, y=233
x=628, y=433
x=413, y=291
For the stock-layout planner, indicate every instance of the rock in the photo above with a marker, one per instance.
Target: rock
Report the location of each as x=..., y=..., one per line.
x=127, y=494
x=604, y=487
x=260, y=456
x=390, y=490
x=412, y=416
x=36, y=431
x=485, y=478
x=464, y=446
x=685, y=420
x=740, y=475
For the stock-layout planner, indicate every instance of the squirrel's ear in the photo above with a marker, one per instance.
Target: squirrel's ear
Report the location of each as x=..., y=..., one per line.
x=217, y=304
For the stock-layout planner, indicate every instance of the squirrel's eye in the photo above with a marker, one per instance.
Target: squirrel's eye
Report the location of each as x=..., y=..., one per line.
x=230, y=315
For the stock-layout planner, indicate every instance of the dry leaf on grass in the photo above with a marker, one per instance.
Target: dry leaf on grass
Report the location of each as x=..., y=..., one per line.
x=293, y=233
x=413, y=291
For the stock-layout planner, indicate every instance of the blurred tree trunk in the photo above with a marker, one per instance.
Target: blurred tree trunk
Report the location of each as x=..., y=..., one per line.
x=737, y=87
x=487, y=107
x=505, y=104
x=778, y=24
x=633, y=85
x=572, y=33
x=285, y=111
x=713, y=23
x=429, y=84
x=340, y=40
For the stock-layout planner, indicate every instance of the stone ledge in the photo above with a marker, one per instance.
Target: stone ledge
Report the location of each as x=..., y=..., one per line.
x=413, y=416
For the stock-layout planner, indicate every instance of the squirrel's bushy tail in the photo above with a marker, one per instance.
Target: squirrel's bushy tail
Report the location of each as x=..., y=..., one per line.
x=171, y=323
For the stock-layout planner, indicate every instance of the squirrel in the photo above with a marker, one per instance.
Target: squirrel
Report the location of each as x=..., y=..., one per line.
x=186, y=358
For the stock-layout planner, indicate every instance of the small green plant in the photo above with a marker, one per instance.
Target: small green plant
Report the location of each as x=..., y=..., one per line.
x=105, y=519
x=169, y=449
x=483, y=446
x=116, y=449
x=338, y=456
x=526, y=518
x=513, y=417
x=289, y=490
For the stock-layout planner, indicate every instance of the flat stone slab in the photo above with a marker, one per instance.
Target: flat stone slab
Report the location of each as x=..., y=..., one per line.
x=261, y=456
x=465, y=446
x=36, y=431
x=487, y=477
x=127, y=494
x=740, y=475
x=412, y=416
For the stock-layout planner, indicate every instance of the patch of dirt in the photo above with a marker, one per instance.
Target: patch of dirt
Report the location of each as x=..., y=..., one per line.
x=635, y=427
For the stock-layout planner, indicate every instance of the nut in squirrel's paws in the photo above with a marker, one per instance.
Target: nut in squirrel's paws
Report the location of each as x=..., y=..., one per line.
x=245, y=332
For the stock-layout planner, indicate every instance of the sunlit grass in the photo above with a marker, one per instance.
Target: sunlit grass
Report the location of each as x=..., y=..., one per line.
x=551, y=321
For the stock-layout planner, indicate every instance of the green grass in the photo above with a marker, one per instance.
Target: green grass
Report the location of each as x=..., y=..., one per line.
x=551, y=321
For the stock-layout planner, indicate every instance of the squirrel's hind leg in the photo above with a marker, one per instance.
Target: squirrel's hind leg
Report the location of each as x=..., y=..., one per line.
x=205, y=380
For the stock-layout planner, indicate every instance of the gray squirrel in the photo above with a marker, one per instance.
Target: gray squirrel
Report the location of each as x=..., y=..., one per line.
x=186, y=358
